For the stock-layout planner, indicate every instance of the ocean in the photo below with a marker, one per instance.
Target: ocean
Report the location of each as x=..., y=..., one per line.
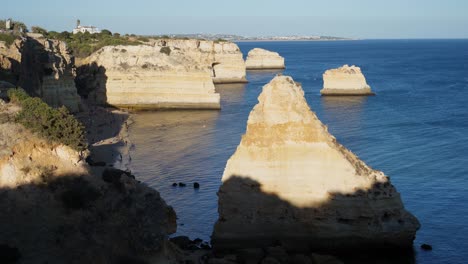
x=415, y=130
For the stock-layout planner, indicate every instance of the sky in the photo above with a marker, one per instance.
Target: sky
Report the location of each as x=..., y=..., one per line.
x=368, y=19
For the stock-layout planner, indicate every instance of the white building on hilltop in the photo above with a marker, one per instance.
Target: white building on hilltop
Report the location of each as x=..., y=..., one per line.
x=83, y=29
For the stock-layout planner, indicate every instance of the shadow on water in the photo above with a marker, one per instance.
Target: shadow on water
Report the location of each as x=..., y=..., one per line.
x=345, y=225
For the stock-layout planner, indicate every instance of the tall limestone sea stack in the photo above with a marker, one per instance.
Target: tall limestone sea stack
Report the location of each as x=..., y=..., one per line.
x=291, y=183
x=346, y=80
x=161, y=74
x=261, y=59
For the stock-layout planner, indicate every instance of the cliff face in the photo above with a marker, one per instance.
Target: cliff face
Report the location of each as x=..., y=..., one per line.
x=42, y=67
x=290, y=181
x=260, y=59
x=164, y=74
x=57, y=209
x=346, y=80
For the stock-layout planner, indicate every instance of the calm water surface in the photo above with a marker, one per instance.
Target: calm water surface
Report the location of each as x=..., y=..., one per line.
x=415, y=130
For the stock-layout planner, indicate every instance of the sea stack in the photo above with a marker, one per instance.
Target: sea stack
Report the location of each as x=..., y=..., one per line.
x=291, y=183
x=346, y=80
x=261, y=59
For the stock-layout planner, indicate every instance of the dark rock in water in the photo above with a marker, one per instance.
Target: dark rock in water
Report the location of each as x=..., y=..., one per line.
x=182, y=242
x=181, y=184
x=112, y=175
x=205, y=245
x=99, y=164
x=426, y=247
x=174, y=184
x=9, y=254
x=197, y=240
x=196, y=185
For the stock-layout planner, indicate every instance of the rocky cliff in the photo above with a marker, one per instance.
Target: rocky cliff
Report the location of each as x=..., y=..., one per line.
x=291, y=183
x=346, y=80
x=57, y=209
x=43, y=67
x=261, y=59
x=162, y=74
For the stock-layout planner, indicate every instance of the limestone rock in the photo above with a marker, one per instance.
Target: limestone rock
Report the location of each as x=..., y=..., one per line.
x=164, y=74
x=346, y=80
x=44, y=68
x=290, y=182
x=261, y=59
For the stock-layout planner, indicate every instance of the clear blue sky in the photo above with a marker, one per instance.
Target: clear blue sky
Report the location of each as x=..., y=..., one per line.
x=346, y=18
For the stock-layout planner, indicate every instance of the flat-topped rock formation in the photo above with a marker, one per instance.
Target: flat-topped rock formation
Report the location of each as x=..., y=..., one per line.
x=346, y=80
x=261, y=59
x=43, y=67
x=291, y=183
x=163, y=74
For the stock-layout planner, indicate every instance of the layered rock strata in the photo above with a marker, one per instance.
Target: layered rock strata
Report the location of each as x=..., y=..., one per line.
x=43, y=67
x=261, y=59
x=162, y=74
x=346, y=80
x=291, y=183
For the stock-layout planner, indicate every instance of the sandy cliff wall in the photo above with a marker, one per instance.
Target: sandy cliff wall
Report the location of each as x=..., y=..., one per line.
x=291, y=182
x=162, y=74
x=43, y=67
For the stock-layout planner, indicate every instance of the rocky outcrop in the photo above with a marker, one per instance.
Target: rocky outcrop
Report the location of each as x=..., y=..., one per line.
x=43, y=67
x=163, y=74
x=57, y=209
x=291, y=183
x=260, y=59
x=346, y=80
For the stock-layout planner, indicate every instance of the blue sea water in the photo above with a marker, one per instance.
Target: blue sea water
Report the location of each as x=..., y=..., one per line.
x=415, y=130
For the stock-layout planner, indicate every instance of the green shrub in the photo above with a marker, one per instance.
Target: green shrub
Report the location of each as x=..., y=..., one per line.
x=8, y=38
x=56, y=125
x=165, y=50
x=37, y=29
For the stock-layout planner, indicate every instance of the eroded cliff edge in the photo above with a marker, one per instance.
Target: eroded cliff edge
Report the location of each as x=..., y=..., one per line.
x=161, y=74
x=43, y=67
x=291, y=183
x=58, y=209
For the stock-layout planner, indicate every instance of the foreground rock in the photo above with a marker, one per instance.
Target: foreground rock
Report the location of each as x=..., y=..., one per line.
x=165, y=74
x=57, y=209
x=291, y=183
x=261, y=59
x=43, y=67
x=346, y=80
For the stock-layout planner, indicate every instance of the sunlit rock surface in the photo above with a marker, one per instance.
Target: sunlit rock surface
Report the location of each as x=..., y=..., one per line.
x=162, y=74
x=291, y=182
x=346, y=80
x=261, y=59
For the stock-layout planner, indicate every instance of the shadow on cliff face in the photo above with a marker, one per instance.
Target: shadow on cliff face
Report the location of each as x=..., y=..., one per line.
x=346, y=225
x=90, y=81
x=82, y=219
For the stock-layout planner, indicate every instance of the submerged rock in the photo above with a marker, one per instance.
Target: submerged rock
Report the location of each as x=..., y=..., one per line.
x=346, y=80
x=261, y=59
x=291, y=183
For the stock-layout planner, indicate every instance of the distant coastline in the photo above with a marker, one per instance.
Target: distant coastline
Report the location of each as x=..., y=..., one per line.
x=238, y=38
